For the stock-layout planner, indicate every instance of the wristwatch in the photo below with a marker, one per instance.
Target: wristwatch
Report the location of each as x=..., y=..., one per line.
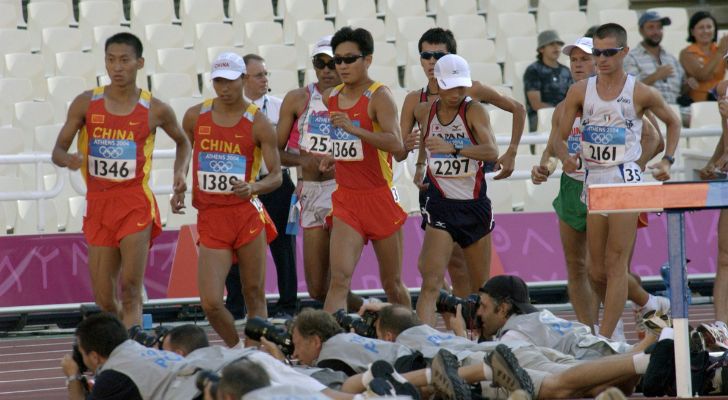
x=77, y=377
x=458, y=146
x=669, y=159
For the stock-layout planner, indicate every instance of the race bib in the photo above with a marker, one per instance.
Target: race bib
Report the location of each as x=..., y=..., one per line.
x=603, y=145
x=217, y=172
x=317, y=138
x=447, y=166
x=112, y=159
x=345, y=146
x=574, y=147
x=632, y=173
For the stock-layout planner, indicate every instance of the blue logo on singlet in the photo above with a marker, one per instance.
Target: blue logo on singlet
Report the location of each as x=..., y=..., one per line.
x=222, y=163
x=319, y=123
x=340, y=134
x=461, y=142
x=604, y=135
x=574, y=144
x=112, y=149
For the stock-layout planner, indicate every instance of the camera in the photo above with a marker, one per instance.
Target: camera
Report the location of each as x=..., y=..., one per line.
x=447, y=303
x=258, y=327
x=78, y=358
x=204, y=377
x=362, y=326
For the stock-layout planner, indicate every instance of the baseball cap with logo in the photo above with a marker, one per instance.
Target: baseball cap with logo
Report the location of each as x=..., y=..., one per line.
x=512, y=288
x=323, y=46
x=227, y=65
x=452, y=71
x=583, y=43
x=650, y=16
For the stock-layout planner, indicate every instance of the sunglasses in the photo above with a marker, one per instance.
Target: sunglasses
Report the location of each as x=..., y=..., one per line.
x=321, y=64
x=347, y=59
x=426, y=55
x=606, y=52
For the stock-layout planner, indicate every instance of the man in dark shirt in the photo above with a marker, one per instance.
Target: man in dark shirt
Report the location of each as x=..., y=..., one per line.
x=545, y=81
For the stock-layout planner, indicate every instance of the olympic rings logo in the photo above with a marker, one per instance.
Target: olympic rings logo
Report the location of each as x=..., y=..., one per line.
x=221, y=166
x=341, y=134
x=111, y=152
x=601, y=138
x=325, y=128
x=574, y=146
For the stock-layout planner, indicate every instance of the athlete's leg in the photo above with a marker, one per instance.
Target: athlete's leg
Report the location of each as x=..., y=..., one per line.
x=212, y=268
x=581, y=379
x=389, y=256
x=720, y=286
x=104, y=265
x=348, y=244
x=581, y=295
x=251, y=258
x=437, y=246
x=459, y=274
x=480, y=273
x=134, y=249
x=316, y=261
x=596, y=239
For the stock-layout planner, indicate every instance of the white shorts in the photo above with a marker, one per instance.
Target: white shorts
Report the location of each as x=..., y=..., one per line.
x=541, y=362
x=628, y=172
x=316, y=203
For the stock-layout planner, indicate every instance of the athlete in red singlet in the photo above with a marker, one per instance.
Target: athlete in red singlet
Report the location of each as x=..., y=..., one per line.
x=117, y=126
x=231, y=139
x=365, y=204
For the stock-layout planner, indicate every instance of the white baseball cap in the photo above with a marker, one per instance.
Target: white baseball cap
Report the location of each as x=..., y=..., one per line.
x=323, y=46
x=583, y=43
x=227, y=65
x=452, y=71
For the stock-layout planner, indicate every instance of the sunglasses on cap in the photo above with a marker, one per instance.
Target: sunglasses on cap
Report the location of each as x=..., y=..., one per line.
x=347, y=59
x=426, y=55
x=319, y=63
x=606, y=52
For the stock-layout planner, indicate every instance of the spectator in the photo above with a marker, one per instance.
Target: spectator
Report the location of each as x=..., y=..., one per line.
x=545, y=81
x=651, y=64
x=703, y=59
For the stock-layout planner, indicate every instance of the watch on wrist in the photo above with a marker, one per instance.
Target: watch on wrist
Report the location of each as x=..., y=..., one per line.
x=458, y=146
x=77, y=377
x=669, y=159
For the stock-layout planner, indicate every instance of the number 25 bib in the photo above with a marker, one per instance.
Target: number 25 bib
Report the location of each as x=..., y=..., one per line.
x=218, y=171
x=316, y=139
x=112, y=159
x=603, y=145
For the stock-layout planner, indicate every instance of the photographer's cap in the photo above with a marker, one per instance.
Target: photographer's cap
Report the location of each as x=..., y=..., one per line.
x=227, y=65
x=452, y=71
x=323, y=46
x=650, y=16
x=510, y=287
x=586, y=44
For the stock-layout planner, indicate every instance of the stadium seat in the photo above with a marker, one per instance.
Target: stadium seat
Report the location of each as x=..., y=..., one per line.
x=146, y=12
x=46, y=14
x=510, y=25
x=413, y=53
x=539, y=198
x=674, y=41
x=258, y=32
x=61, y=199
x=9, y=16
x=12, y=140
x=28, y=221
x=308, y=32
x=179, y=105
x=61, y=91
x=593, y=8
x=242, y=11
x=173, y=84
x=74, y=217
x=410, y=29
x=626, y=18
x=386, y=75
x=56, y=40
x=97, y=13
x=454, y=7
x=375, y=26
x=300, y=10
x=566, y=22
x=395, y=9
x=477, y=50
x=79, y=64
x=28, y=115
x=13, y=90
x=385, y=54
x=13, y=41
x=487, y=73
x=279, y=56
x=210, y=34
x=45, y=137
x=495, y=8
x=347, y=9
x=468, y=26
x=10, y=184
x=160, y=36
x=177, y=60
x=544, y=119
x=546, y=7
x=281, y=81
x=704, y=114
x=414, y=77
x=31, y=66
x=520, y=48
x=193, y=12
x=101, y=34
x=518, y=69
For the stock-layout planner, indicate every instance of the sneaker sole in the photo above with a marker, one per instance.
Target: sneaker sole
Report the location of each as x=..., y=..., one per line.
x=445, y=378
x=507, y=373
x=384, y=370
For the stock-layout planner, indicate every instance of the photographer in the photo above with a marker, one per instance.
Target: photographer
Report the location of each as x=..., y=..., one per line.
x=123, y=368
x=236, y=380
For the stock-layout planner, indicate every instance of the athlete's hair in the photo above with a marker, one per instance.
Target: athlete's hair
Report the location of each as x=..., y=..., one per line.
x=439, y=36
x=187, y=338
x=101, y=333
x=128, y=39
x=310, y=322
x=697, y=17
x=590, y=32
x=252, y=57
x=396, y=318
x=241, y=377
x=612, y=30
x=360, y=36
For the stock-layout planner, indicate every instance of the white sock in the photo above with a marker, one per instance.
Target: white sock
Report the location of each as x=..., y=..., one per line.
x=366, y=378
x=640, y=361
x=651, y=303
x=487, y=372
x=667, y=333
x=428, y=376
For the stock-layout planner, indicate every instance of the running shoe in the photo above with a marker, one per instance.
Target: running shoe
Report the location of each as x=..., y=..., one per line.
x=661, y=370
x=383, y=370
x=654, y=321
x=611, y=393
x=507, y=373
x=715, y=335
x=445, y=379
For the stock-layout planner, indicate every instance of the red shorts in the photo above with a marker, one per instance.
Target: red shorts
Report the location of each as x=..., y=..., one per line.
x=111, y=216
x=373, y=213
x=232, y=227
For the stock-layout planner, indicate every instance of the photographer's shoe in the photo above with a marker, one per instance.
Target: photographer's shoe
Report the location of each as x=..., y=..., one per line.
x=384, y=370
x=380, y=387
x=507, y=373
x=445, y=379
x=660, y=370
x=655, y=321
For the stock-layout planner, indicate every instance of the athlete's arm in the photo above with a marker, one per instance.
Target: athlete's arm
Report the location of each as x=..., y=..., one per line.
x=541, y=172
x=557, y=142
x=410, y=134
x=265, y=136
x=420, y=114
x=383, y=111
x=327, y=162
x=651, y=100
x=507, y=161
x=485, y=149
x=75, y=120
x=287, y=117
x=189, y=120
x=166, y=119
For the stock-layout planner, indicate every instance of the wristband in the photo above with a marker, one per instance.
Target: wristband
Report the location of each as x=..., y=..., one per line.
x=77, y=377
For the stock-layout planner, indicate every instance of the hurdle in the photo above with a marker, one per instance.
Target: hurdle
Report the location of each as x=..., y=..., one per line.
x=673, y=198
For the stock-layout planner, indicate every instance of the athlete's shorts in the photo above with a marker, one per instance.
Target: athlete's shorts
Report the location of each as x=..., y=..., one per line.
x=628, y=172
x=467, y=221
x=113, y=215
x=540, y=362
x=316, y=203
x=373, y=213
x=568, y=204
x=232, y=227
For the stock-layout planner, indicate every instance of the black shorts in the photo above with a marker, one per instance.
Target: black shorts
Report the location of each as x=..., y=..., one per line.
x=467, y=221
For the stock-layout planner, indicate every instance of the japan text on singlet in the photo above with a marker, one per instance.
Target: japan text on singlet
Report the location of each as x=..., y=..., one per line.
x=117, y=148
x=314, y=124
x=611, y=130
x=574, y=147
x=458, y=177
x=359, y=165
x=221, y=156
